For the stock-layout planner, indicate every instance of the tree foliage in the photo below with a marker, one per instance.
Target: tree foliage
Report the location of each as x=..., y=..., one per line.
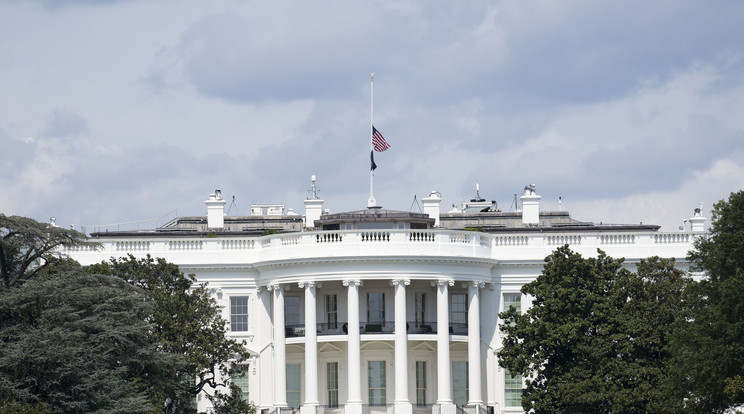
x=708, y=347
x=594, y=338
x=79, y=343
x=27, y=246
x=186, y=321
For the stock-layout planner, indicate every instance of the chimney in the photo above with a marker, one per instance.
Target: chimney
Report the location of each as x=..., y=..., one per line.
x=530, y=206
x=313, y=206
x=215, y=210
x=697, y=221
x=431, y=206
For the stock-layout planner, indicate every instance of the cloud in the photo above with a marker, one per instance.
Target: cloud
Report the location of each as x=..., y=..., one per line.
x=64, y=124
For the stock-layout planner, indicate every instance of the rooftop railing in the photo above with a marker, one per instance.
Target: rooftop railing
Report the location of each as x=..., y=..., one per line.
x=344, y=243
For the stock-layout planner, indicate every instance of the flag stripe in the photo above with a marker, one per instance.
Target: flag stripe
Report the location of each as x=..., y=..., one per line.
x=378, y=141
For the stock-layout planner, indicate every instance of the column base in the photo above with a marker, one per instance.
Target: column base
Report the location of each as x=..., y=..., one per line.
x=353, y=408
x=444, y=408
x=402, y=408
x=309, y=409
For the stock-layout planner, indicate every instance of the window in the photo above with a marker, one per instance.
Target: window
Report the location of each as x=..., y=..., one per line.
x=460, y=382
x=513, y=300
x=333, y=384
x=377, y=384
x=513, y=389
x=239, y=313
x=376, y=307
x=420, y=305
x=420, y=382
x=292, y=310
x=240, y=378
x=293, y=385
x=459, y=308
x=332, y=311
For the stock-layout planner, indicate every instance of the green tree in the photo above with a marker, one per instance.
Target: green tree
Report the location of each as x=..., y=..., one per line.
x=186, y=322
x=27, y=246
x=593, y=340
x=80, y=343
x=708, y=347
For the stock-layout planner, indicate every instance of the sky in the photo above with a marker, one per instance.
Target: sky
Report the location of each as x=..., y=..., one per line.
x=134, y=111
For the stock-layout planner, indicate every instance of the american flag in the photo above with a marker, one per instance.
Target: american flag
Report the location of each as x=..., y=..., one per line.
x=378, y=141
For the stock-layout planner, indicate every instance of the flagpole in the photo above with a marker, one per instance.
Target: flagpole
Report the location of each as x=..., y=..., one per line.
x=372, y=203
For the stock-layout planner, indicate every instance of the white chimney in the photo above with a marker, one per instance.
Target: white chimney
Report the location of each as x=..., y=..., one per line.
x=431, y=206
x=530, y=206
x=313, y=206
x=697, y=221
x=215, y=210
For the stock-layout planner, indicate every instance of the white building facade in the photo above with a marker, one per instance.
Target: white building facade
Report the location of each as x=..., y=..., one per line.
x=379, y=311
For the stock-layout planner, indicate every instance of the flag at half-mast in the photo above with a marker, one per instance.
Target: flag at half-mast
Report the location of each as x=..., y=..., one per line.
x=379, y=144
x=378, y=141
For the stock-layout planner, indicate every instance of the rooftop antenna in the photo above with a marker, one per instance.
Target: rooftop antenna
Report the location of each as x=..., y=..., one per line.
x=560, y=204
x=514, y=204
x=415, y=201
x=313, y=189
x=232, y=203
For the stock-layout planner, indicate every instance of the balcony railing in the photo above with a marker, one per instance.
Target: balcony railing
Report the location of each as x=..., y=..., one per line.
x=374, y=328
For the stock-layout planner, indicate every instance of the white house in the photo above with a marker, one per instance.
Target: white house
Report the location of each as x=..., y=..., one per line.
x=375, y=310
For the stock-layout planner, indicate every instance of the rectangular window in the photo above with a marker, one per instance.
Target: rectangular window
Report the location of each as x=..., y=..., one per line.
x=460, y=382
x=293, y=385
x=240, y=378
x=238, y=313
x=513, y=389
x=420, y=382
x=513, y=300
x=420, y=305
x=459, y=308
x=332, y=311
x=292, y=310
x=377, y=383
x=333, y=384
x=376, y=307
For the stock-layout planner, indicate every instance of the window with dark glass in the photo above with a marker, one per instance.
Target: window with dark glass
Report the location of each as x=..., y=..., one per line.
x=292, y=310
x=376, y=307
x=377, y=382
x=238, y=313
x=420, y=305
x=332, y=311
x=513, y=389
x=332, y=384
x=459, y=309
x=240, y=378
x=293, y=385
x=460, y=382
x=420, y=382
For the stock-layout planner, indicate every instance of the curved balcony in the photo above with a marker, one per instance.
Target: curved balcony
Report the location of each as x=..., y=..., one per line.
x=375, y=328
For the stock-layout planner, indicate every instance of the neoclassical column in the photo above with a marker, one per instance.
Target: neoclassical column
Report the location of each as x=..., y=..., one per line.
x=311, y=350
x=474, y=354
x=402, y=402
x=354, y=392
x=280, y=362
x=444, y=376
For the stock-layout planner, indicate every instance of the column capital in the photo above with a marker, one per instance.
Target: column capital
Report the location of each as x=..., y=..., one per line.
x=492, y=285
x=274, y=286
x=441, y=282
x=478, y=285
x=352, y=282
x=405, y=282
x=306, y=284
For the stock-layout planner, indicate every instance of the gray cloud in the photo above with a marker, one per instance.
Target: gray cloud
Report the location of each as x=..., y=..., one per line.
x=64, y=123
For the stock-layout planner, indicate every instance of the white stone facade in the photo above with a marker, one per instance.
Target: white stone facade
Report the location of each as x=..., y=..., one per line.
x=376, y=320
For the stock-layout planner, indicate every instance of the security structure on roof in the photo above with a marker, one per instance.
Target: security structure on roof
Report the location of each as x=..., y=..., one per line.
x=379, y=311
